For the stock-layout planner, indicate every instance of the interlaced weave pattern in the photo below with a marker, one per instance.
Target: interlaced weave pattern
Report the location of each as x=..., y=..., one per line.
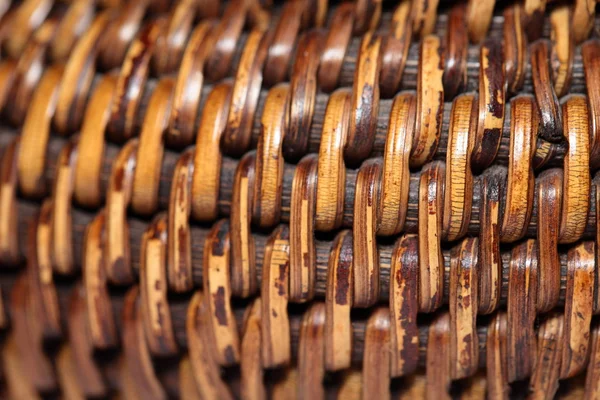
x=299, y=199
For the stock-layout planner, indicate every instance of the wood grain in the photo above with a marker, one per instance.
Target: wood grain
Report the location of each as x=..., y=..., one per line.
x=276, y=351
x=302, y=247
x=365, y=264
x=223, y=329
x=404, y=342
x=338, y=301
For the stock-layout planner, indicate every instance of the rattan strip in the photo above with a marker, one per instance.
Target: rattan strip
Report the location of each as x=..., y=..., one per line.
x=323, y=247
x=227, y=185
x=113, y=375
x=132, y=78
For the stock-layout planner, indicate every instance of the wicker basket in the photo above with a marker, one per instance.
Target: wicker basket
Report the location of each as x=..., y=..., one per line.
x=240, y=199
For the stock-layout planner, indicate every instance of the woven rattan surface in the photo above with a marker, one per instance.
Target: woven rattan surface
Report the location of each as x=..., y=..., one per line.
x=300, y=199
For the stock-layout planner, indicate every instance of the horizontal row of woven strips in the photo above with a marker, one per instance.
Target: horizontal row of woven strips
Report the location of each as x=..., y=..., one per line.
x=382, y=199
